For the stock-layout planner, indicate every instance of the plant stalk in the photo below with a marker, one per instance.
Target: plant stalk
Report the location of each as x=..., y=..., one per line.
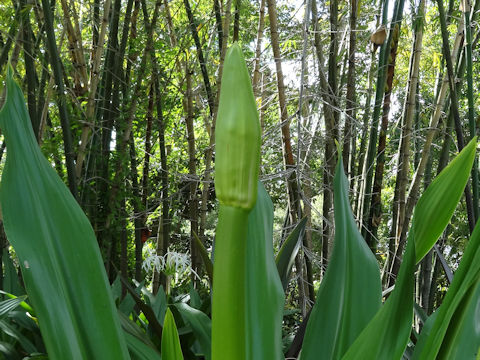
x=228, y=302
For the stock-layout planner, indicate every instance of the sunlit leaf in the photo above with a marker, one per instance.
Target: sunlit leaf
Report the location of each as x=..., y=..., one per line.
x=350, y=293
x=171, y=349
x=435, y=207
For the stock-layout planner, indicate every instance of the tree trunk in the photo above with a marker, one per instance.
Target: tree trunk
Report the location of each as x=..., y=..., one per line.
x=405, y=140
x=136, y=204
x=163, y=238
x=96, y=56
x=10, y=39
x=379, y=96
x=76, y=49
x=236, y=20
x=258, y=48
x=209, y=152
x=218, y=21
x=192, y=170
x=62, y=106
x=201, y=58
x=30, y=72
x=471, y=105
x=374, y=218
x=348, y=134
x=415, y=183
x=291, y=181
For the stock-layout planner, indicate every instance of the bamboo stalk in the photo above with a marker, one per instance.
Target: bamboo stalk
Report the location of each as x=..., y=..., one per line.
x=62, y=107
x=471, y=105
x=97, y=51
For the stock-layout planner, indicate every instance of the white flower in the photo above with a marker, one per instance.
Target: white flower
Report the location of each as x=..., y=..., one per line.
x=172, y=263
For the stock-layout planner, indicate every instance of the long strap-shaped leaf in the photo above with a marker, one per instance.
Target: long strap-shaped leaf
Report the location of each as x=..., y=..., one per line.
x=350, y=293
x=386, y=336
x=59, y=256
x=264, y=292
x=201, y=327
x=171, y=349
x=288, y=252
x=458, y=311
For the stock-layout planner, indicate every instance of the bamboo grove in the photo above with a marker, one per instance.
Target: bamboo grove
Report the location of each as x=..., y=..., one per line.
x=123, y=98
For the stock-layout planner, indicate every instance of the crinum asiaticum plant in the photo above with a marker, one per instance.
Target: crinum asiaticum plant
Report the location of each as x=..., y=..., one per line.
x=349, y=320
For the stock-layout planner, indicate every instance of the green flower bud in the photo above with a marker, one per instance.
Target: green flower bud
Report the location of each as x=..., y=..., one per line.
x=238, y=135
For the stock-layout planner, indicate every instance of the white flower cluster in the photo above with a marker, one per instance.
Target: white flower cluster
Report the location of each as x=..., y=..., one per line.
x=172, y=263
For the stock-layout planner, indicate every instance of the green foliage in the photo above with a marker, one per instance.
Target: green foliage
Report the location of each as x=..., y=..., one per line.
x=63, y=270
x=289, y=250
x=264, y=293
x=59, y=257
x=171, y=349
x=350, y=292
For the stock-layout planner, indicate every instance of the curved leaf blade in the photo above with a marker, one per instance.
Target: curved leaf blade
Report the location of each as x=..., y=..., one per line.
x=139, y=350
x=287, y=253
x=462, y=298
x=171, y=349
x=201, y=326
x=264, y=292
x=59, y=257
x=207, y=262
x=386, y=336
x=350, y=293
x=437, y=204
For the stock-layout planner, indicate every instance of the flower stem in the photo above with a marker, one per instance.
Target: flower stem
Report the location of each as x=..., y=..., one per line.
x=228, y=303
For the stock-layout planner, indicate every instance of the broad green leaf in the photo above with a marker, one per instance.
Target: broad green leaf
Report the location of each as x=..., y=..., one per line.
x=8, y=351
x=458, y=309
x=139, y=350
x=201, y=326
x=421, y=314
x=435, y=207
x=127, y=304
x=466, y=343
x=195, y=300
x=288, y=252
x=157, y=302
x=264, y=293
x=427, y=327
x=171, y=349
x=148, y=311
x=10, y=278
x=139, y=344
x=22, y=318
x=12, y=331
x=59, y=257
x=116, y=289
x=350, y=293
x=130, y=327
x=386, y=336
